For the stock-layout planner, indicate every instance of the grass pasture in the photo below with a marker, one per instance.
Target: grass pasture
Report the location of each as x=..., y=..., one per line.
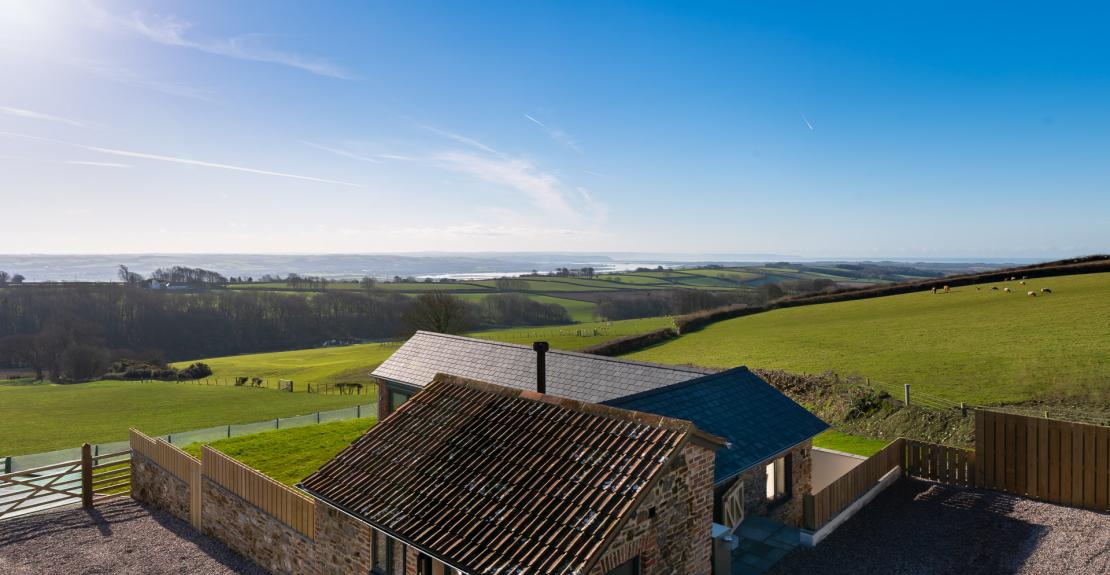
x=978, y=346
x=44, y=417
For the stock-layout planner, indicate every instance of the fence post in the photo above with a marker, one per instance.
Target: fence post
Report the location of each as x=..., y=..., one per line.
x=907, y=395
x=317, y=417
x=86, y=475
x=963, y=409
x=358, y=411
x=229, y=430
x=8, y=464
x=277, y=423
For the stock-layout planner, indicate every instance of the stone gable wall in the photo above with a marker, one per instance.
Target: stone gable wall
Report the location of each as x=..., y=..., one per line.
x=670, y=531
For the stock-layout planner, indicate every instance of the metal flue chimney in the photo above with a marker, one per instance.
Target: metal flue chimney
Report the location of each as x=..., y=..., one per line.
x=541, y=348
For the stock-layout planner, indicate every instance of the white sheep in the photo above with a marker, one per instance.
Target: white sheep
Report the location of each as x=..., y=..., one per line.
x=1022, y=282
x=1007, y=290
x=1046, y=290
x=1032, y=293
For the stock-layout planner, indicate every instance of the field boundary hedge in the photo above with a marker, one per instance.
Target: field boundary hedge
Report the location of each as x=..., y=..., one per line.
x=698, y=320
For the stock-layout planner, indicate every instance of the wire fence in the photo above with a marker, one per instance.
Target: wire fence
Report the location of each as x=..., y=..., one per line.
x=21, y=462
x=286, y=385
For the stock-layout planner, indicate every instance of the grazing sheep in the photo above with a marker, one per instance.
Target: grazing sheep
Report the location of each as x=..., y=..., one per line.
x=1007, y=290
x=1012, y=278
x=1022, y=282
x=1032, y=293
x=946, y=290
x=1046, y=290
x=994, y=288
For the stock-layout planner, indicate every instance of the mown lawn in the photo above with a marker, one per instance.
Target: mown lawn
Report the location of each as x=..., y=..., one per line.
x=45, y=417
x=859, y=445
x=290, y=455
x=978, y=346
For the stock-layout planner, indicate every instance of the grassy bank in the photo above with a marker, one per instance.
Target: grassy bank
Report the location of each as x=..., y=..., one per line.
x=290, y=455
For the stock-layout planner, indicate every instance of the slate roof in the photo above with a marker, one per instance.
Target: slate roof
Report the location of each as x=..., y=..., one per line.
x=490, y=479
x=758, y=421
x=585, y=377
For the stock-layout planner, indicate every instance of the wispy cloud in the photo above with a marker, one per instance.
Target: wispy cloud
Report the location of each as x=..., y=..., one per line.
x=546, y=190
x=461, y=139
x=184, y=161
x=173, y=31
x=344, y=153
x=97, y=164
x=131, y=78
x=806, y=120
x=556, y=134
x=31, y=114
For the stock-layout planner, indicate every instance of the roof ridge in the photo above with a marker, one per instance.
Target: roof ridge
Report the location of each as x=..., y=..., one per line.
x=668, y=388
x=585, y=407
x=684, y=369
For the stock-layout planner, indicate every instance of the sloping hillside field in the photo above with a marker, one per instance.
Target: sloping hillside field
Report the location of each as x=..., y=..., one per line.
x=981, y=345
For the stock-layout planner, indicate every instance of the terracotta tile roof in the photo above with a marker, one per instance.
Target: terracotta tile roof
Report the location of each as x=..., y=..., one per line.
x=578, y=376
x=758, y=421
x=490, y=479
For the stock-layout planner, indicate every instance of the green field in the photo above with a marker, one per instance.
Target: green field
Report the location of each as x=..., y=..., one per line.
x=46, y=416
x=978, y=346
x=836, y=440
x=353, y=363
x=290, y=455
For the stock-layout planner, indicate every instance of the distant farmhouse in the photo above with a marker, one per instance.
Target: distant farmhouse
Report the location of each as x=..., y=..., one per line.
x=769, y=434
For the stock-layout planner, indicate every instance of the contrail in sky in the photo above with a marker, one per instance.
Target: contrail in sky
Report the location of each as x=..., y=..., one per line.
x=806, y=120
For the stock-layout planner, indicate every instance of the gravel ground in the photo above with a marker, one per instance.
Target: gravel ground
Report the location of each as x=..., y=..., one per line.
x=117, y=537
x=918, y=527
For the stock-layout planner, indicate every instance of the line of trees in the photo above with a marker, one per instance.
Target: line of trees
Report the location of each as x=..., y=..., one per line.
x=6, y=278
x=76, y=332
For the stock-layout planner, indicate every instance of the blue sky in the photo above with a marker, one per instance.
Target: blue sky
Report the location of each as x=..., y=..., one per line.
x=886, y=130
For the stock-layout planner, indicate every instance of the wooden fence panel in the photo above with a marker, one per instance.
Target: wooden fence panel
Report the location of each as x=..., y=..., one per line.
x=954, y=465
x=822, y=506
x=287, y=505
x=1056, y=461
x=178, y=463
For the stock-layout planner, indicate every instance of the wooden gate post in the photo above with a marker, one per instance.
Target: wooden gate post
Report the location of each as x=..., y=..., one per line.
x=86, y=476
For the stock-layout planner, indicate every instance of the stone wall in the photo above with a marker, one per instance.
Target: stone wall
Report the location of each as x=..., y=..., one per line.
x=670, y=530
x=158, y=488
x=252, y=533
x=342, y=542
x=789, y=511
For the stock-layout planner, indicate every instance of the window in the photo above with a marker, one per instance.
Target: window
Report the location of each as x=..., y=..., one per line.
x=779, y=480
x=389, y=556
x=396, y=398
x=423, y=565
x=630, y=567
x=375, y=564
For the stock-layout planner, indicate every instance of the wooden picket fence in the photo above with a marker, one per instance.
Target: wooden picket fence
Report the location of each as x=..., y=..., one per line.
x=1051, y=460
x=822, y=506
x=284, y=504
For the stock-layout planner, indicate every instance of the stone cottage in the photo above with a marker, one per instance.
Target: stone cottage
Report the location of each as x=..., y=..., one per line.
x=765, y=470
x=471, y=477
x=767, y=466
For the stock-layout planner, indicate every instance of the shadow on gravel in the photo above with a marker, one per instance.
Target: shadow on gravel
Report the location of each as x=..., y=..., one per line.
x=119, y=537
x=917, y=527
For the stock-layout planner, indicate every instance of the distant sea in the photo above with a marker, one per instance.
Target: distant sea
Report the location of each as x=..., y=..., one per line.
x=101, y=267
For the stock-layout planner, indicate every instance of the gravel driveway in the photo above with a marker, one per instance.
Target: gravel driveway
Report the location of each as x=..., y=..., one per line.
x=117, y=537
x=918, y=527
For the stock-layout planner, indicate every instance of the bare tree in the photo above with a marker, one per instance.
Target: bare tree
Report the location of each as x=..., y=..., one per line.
x=4, y=278
x=127, y=276
x=439, y=312
x=18, y=278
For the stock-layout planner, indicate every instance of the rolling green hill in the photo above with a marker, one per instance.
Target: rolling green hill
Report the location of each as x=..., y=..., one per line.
x=976, y=345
